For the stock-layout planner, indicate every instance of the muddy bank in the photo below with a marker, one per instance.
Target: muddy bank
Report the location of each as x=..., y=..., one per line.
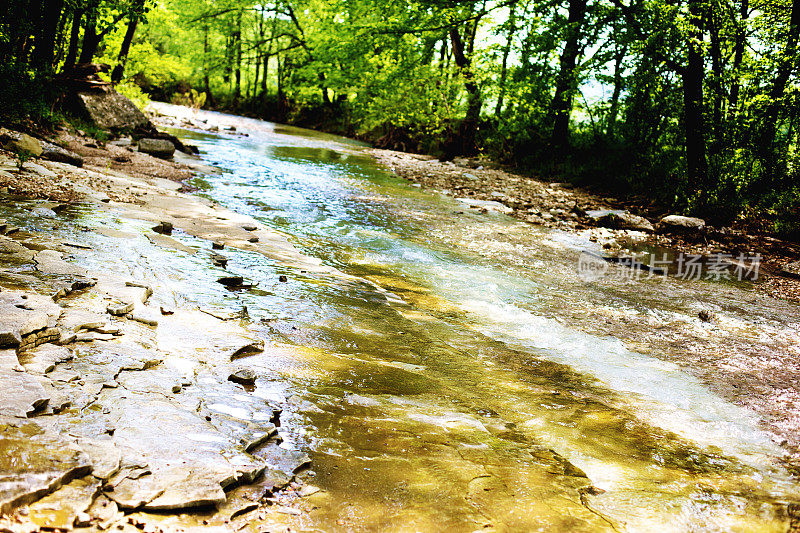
x=120, y=396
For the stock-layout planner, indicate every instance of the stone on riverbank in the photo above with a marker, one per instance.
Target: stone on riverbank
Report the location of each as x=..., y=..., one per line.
x=488, y=205
x=219, y=260
x=53, y=152
x=243, y=376
x=110, y=110
x=20, y=143
x=248, y=349
x=231, y=281
x=157, y=147
x=622, y=220
x=791, y=270
x=681, y=224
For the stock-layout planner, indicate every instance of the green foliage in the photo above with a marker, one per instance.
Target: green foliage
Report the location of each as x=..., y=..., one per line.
x=78, y=125
x=787, y=209
x=22, y=157
x=134, y=93
x=695, y=103
x=191, y=98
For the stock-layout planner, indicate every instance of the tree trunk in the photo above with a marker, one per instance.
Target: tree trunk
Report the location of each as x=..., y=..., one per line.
x=696, y=165
x=206, y=80
x=122, y=58
x=613, y=109
x=716, y=84
x=90, y=39
x=74, y=36
x=237, y=36
x=46, y=39
x=512, y=28
x=474, y=103
x=787, y=64
x=567, y=81
x=738, y=55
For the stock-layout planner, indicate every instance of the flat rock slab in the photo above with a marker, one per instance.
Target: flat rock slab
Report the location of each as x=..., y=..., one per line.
x=53, y=152
x=78, y=319
x=166, y=241
x=20, y=394
x=52, y=262
x=189, y=462
x=20, y=142
x=60, y=509
x=13, y=253
x=23, y=313
x=34, y=462
x=44, y=358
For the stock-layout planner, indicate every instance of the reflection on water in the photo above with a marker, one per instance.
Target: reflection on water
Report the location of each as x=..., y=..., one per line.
x=452, y=388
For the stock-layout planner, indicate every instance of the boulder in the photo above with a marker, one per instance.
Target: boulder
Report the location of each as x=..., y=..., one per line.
x=110, y=110
x=53, y=152
x=20, y=142
x=681, y=224
x=624, y=220
x=157, y=147
x=231, y=281
x=248, y=349
x=243, y=376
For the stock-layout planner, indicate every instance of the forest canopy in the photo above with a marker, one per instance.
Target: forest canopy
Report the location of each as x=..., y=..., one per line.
x=692, y=103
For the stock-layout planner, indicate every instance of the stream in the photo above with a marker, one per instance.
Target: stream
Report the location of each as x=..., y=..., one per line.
x=462, y=377
x=450, y=388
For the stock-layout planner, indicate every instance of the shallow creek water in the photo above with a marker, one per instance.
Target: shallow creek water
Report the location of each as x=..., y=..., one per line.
x=465, y=378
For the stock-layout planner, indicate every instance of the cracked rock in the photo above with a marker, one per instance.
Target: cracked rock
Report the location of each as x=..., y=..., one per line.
x=34, y=462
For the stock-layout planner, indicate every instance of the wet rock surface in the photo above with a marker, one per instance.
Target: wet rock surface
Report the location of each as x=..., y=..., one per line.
x=94, y=425
x=34, y=462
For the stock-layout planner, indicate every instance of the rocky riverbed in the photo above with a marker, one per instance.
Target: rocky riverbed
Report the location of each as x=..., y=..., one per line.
x=120, y=397
x=622, y=227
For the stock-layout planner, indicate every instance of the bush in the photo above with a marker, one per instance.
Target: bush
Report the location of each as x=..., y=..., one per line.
x=26, y=101
x=787, y=210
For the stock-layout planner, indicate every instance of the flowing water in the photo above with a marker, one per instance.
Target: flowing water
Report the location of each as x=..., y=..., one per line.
x=463, y=377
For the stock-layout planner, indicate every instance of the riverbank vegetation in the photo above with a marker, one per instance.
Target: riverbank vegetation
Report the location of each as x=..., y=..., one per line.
x=691, y=103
